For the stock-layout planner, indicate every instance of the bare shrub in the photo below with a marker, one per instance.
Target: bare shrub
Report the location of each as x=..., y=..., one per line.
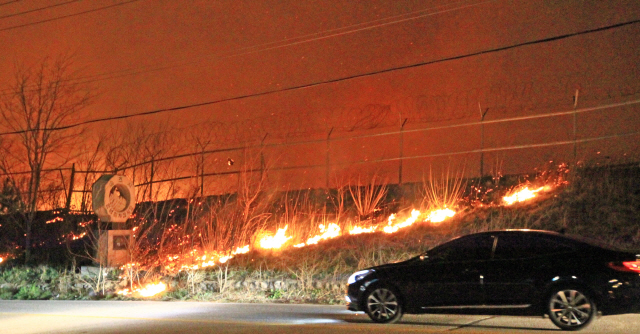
x=443, y=191
x=368, y=197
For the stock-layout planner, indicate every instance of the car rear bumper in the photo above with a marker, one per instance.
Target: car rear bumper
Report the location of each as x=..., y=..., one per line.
x=622, y=297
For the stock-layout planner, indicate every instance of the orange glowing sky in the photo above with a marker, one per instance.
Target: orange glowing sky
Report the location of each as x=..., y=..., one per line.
x=206, y=50
x=146, y=55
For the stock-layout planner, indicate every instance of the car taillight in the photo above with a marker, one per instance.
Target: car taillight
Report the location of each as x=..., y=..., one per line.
x=628, y=266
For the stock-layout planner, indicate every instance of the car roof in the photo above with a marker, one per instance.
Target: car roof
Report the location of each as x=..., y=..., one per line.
x=522, y=230
x=575, y=240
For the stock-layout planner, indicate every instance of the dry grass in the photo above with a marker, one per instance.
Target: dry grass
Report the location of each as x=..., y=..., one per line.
x=601, y=203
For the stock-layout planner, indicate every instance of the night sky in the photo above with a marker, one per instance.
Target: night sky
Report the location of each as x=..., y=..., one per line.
x=294, y=70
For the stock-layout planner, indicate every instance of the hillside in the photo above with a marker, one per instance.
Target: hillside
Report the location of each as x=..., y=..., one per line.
x=602, y=203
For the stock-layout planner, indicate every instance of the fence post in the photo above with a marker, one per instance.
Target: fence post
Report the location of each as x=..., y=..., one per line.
x=202, y=174
x=575, y=127
x=482, y=114
x=262, y=163
x=401, y=155
x=71, y=179
x=151, y=179
x=327, y=161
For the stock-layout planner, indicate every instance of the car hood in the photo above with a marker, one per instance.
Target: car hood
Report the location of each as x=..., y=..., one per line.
x=394, y=265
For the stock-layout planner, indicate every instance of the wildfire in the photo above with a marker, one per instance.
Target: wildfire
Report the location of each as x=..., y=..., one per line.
x=241, y=250
x=149, y=290
x=329, y=232
x=361, y=230
x=276, y=241
x=194, y=261
x=392, y=228
x=152, y=289
x=521, y=195
x=438, y=216
x=332, y=230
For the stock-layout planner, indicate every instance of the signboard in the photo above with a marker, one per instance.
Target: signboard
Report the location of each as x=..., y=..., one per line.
x=113, y=198
x=113, y=247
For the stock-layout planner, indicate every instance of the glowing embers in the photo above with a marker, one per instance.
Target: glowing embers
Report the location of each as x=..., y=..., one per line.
x=194, y=261
x=522, y=194
x=275, y=241
x=54, y=220
x=148, y=290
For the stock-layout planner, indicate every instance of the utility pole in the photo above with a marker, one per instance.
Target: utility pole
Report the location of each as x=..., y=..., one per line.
x=71, y=181
x=401, y=156
x=482, y=115
x=327, y=160
x=575, y=127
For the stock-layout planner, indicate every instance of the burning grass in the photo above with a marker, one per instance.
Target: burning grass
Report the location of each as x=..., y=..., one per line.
x=439, y=210
x=300, y=251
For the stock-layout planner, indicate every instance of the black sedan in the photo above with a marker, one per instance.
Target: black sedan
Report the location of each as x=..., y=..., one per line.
x=538, y=272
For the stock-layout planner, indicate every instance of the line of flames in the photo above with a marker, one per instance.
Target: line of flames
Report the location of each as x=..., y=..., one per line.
x=522, y=194
x=279, y=240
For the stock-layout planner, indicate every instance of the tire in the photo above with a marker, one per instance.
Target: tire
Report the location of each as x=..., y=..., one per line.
x=383, y=305
x=571, y=308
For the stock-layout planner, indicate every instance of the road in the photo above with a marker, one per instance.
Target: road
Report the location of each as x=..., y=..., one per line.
x=97, y=317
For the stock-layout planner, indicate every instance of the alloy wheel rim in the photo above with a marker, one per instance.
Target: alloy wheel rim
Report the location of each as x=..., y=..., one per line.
x=570, y=307
x=382, y=304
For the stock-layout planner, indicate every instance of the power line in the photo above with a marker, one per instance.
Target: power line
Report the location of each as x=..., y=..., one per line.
x=8, y=2
x=309, y=85
x=67, y=16
x=394, y=132
x=305, y=38
x=358, y=27
x=38, y=9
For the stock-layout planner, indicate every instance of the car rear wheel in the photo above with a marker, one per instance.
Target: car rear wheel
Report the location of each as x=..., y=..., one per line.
x=571, y=309
x=383, y=305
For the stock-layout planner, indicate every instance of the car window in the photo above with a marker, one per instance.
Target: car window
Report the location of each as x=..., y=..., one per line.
x=525, y=246
x=470, y=248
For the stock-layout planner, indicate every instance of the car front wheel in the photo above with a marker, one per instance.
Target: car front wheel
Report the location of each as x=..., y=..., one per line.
x=571, y=309
x=383, y=305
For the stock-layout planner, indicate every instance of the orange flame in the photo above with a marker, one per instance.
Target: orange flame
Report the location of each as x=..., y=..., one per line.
x=391, y=228
x=521, y=195
x=149, y=290
x=275, y=241
x=438, y=216
x=328, y=232
x=152, y=289
x=194, y=261
x=241, y=250
x=361, y=230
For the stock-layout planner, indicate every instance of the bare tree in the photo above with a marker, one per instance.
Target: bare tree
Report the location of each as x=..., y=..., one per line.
x=139, y=151
x=37, y=107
